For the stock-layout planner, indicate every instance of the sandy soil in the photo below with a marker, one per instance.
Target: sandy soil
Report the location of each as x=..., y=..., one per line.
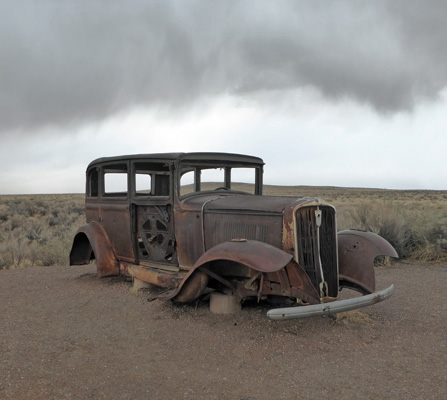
x=66, y=335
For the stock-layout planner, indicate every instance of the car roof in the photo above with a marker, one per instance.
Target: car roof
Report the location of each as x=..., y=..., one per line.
x=193, y=157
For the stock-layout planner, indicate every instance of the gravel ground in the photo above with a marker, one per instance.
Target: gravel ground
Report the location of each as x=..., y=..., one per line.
x=67, y=335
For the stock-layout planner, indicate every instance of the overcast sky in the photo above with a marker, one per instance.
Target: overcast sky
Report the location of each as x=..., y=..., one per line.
x=334, y=93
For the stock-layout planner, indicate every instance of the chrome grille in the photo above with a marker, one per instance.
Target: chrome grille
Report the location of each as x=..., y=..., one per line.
x=306, y=231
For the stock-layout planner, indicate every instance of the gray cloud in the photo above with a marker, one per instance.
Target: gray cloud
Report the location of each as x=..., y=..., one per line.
x=72, y=62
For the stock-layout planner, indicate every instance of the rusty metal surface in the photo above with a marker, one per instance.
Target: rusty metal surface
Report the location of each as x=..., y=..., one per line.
x=291, y=282
x=193, y=288
x=258, y=205
x=162, y=278
x=115, y=219
x=356, y=253
x=154, y=233
x=188, y=236
x=300, y=282
x=194, y=157
x=247, y=244
x=257, y=255
x=272, y=279
x=106, y=262
x=379, y=244
x=220, y=228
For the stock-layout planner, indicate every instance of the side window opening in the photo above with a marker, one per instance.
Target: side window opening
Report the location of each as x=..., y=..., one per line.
x=143, y=183
x=187, y=183
x=93, y=183
x=115, y=180
x=152, y=179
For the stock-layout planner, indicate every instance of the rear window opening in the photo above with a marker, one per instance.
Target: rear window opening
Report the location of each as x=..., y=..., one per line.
x=115, y=181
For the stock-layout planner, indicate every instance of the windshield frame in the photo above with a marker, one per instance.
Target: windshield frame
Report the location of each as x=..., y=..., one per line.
x=227, y=167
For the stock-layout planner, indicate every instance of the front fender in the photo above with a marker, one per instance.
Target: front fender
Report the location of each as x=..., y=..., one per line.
x=356, y=253
x=257, y=255
x=93, y=237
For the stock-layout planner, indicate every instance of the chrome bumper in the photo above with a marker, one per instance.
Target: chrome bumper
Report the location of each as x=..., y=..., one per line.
x=331, y=308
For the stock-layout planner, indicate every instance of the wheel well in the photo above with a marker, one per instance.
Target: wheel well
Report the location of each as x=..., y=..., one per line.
x=212, y=274
x=81, y=251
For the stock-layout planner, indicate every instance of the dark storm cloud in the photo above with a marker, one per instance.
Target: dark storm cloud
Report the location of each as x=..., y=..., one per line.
x=67, y=62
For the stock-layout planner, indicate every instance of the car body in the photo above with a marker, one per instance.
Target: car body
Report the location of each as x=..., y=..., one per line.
x=186, y=223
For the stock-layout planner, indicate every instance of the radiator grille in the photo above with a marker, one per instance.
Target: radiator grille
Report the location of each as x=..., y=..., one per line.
x=306, y=230
x=221, y=228
x=231, y=230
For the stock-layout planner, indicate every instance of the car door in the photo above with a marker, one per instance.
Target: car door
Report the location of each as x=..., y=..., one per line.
x=153, y=223
x=113, y=208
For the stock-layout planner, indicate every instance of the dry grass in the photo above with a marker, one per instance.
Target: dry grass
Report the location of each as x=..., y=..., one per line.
x=39, y=229
x=353, y=318
x=413, y=221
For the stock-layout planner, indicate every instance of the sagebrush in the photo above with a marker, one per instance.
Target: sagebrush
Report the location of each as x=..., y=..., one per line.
x=413, y=221
x=39, y=229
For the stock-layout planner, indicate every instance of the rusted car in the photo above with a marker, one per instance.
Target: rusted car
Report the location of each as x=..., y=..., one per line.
x=192, y=223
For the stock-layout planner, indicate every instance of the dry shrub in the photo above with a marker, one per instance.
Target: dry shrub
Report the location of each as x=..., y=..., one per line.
x=15, y=253
x=413, y=234
x=38, y=230
x=401, y=236
x=353, y=317
x=54, y=252
x=435, y=244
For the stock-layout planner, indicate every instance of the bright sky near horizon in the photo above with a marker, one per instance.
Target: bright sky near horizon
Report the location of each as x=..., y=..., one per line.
x=328, y=93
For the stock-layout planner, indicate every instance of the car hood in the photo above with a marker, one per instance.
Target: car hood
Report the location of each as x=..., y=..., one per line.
x=253, y=204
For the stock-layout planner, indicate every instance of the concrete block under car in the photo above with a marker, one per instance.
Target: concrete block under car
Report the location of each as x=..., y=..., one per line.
x=139, y=284
x=224, y=304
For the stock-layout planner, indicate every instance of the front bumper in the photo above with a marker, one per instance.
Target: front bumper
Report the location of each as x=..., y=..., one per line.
x=330, y=308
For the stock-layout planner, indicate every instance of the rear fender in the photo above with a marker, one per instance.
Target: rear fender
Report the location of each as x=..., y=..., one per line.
x=356, y=253
x=92, y=237
x=256, y=255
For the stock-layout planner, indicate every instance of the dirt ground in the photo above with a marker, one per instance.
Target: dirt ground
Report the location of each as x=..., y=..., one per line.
x=66, y=335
